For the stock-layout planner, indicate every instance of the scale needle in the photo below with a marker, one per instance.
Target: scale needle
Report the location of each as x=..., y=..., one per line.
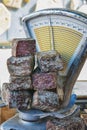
x=51, y=35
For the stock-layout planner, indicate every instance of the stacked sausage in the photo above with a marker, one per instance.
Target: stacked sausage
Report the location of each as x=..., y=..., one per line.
x=45, y=81
x=18, y=93
x=74, y=123
x=31, y=86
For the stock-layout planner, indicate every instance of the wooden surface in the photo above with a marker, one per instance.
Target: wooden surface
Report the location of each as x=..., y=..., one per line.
x=6, y=113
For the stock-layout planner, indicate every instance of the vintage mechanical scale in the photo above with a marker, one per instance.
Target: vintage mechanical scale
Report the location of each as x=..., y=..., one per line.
x=66, y=32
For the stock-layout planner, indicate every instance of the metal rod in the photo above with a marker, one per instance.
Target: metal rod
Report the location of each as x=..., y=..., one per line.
x=51, y=34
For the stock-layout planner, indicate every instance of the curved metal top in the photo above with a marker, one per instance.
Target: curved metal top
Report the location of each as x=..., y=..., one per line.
x=57, y=11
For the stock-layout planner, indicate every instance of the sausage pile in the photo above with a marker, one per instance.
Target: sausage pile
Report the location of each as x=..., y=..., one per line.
x=34, y=83
x=33, y=77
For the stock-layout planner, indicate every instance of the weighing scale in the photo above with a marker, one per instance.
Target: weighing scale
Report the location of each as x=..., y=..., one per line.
x=35, y=119
x=64, y=31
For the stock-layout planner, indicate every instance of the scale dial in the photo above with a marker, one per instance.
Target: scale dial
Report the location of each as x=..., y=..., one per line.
x=69, y=31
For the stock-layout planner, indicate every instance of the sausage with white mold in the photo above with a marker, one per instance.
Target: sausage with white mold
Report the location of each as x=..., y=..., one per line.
x=23, y=47
x=44, y=81
x=45, y=101
x=20, y=66
x=20, y=99
x=73, y=123
x=49, y=61
x=20, y=83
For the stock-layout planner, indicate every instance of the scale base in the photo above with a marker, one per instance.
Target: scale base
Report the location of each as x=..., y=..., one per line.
x=17, y=124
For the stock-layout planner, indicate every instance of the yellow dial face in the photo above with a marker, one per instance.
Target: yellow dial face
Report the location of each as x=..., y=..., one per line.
x=65, y=40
